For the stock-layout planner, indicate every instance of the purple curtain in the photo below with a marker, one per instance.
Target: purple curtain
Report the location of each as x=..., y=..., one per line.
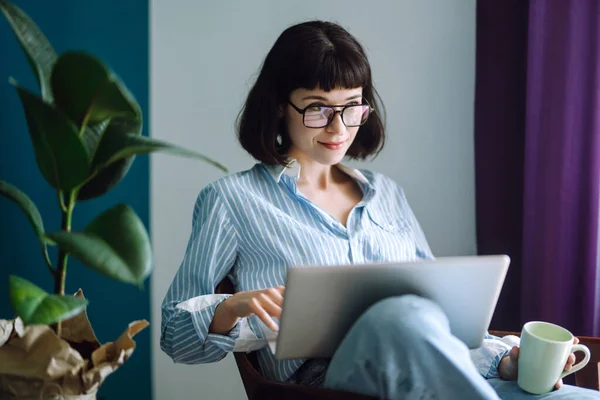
x=537, y=151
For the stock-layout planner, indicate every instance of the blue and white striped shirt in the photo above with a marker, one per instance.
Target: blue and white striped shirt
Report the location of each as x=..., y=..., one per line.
x=254, y=225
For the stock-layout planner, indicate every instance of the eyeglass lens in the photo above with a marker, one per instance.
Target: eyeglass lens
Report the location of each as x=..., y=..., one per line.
x=321, y=116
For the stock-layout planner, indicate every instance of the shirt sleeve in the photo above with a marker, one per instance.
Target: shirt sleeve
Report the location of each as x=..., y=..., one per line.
x=190, y=303
x=487, y=357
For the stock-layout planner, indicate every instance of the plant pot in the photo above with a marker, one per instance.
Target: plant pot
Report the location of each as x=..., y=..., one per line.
x=36, y=364
x=38, y=390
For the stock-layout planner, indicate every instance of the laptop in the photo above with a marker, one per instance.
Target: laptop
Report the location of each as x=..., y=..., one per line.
x=322, y=302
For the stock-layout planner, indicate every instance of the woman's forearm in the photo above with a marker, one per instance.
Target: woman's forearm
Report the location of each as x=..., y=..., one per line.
x=224, y=320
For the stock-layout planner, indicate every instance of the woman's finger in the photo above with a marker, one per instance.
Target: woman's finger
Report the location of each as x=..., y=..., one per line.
x=275, y=296
x=559, y=384
x=270, y=306
x=570, y=362
x=257, y=309
x=575, y=340
x=514, y=353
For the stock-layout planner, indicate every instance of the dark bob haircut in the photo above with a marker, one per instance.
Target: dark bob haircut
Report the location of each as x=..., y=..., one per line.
x=308, y=55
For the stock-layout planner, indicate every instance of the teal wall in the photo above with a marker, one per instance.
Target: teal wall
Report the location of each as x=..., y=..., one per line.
x=117, y=32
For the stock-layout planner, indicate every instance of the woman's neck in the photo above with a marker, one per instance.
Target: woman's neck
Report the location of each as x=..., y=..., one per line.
x=316, y=176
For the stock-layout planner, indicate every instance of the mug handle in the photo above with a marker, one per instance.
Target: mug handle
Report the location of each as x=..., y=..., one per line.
x=580, y=364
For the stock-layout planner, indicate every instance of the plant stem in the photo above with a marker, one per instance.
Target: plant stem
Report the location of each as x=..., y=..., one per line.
x=61, y=201
x=61, y=270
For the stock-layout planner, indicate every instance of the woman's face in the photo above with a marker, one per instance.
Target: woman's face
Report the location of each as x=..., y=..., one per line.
x=326, y=145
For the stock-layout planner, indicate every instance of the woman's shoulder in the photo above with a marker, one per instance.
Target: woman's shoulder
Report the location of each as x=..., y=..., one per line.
x=235, y=184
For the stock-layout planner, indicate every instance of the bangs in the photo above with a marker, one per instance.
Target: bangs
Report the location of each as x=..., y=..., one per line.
x=333, y=70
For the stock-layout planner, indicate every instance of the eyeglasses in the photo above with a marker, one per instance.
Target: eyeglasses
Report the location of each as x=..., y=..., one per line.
x=317, y=116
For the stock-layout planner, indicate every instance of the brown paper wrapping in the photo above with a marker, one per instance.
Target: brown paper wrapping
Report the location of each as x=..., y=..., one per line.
x=36, y=364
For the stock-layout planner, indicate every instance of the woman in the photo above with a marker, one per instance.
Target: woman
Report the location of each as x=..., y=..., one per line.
x=313, y=104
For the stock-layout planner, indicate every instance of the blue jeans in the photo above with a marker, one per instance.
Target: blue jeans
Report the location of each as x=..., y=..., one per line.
x=401, y=348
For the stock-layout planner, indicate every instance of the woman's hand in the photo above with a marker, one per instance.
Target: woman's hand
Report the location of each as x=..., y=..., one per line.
x=265, y=304
x=508, y=368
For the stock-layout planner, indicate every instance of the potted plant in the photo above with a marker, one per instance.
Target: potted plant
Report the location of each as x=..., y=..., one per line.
x=85, y=127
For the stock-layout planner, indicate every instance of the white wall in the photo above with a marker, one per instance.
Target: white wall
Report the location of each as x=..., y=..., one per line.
x=204, y=57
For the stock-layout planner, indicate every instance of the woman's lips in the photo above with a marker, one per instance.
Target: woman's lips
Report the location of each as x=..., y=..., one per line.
x=332, y=145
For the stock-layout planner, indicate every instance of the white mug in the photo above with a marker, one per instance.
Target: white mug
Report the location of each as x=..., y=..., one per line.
x=543, y=353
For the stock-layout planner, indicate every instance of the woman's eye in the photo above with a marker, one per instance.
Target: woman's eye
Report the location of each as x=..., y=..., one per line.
x=314, y=108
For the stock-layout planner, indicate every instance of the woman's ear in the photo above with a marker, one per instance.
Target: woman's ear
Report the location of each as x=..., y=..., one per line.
x=280, y=111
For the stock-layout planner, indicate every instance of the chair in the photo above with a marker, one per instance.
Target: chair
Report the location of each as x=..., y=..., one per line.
x=259, y=388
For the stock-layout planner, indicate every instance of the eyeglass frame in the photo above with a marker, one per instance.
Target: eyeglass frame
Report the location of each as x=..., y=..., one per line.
x=302, y=111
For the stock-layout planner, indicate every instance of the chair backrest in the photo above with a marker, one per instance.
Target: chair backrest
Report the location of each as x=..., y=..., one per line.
x=589, y=376
x=247, y=364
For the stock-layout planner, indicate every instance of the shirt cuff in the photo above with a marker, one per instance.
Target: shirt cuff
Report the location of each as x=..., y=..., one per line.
x=493, y=371
x=202, y=320
x=202, y=308
x=487, y=358
x=247, y=340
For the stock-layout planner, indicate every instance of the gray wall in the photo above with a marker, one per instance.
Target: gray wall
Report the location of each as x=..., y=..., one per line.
x=204, y=57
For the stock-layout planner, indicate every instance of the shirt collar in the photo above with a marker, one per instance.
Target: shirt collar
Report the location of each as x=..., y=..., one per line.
x=292, y=169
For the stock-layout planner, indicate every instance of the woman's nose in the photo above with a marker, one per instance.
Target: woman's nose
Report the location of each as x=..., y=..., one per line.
x=336, y=124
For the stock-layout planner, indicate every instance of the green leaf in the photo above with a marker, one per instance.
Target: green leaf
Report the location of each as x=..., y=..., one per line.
x=109, y=177
x=39, y=52
x=115, y=244
x=25, y=203
x=58, y=150
x=88, y=92
x=114, y=147
x=31, y=212
x=115, y=151
x=35, y=306
x=104, y=180
x=99, y=102
x=91, y=135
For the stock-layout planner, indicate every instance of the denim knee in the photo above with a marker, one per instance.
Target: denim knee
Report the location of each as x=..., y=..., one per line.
x=407, y=315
